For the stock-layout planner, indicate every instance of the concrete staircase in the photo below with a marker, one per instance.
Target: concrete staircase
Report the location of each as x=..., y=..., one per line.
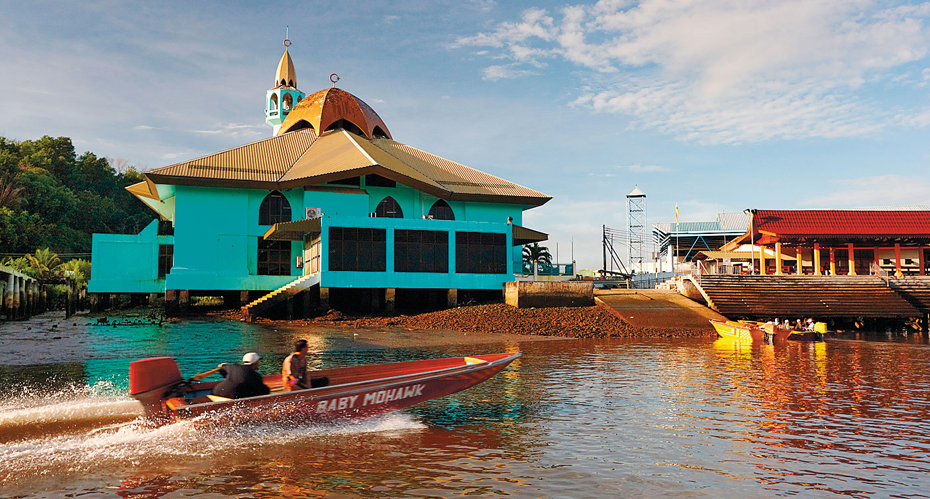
x=814, y=296
x=281, y=294
x=914, y=289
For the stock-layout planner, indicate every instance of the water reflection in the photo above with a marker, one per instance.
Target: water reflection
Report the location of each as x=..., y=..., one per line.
x=586, y=418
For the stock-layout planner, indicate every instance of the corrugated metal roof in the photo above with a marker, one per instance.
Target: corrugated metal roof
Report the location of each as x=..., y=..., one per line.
x=733, y=221
x=843, y=223
x=301, y=157
x=263, y=161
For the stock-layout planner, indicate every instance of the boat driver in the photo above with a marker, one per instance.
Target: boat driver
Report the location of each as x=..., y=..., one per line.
x=242, y=380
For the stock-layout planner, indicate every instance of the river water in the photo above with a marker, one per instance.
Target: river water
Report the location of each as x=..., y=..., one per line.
x=571, y=418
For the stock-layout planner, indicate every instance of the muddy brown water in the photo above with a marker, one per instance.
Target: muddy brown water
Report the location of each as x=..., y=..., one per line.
x=571, y=418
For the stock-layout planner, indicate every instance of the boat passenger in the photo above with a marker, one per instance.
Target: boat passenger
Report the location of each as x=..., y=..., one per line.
x=294, y=372
x=242, y=380
x=810, y=324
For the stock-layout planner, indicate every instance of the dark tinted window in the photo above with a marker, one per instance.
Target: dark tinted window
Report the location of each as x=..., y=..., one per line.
x=421, y=251
x=357, y=249
x=274, y=209
x=441, y=211
x=389, y=208
x=274, y=257
x=480, y=253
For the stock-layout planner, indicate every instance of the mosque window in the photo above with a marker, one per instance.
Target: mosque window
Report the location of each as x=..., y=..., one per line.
x=355, y=181
x=299, y=98
x=389, y=208
x=300, y=125
x=421, y=251
x=357, y=249
x=274, y=102
x=274, y=257
x=441, y=211
x=379, y=181
x=347, y=125
x=165, y=259
x=378, y=133
x=480, y=253
x=287, y=102
x=274, y=209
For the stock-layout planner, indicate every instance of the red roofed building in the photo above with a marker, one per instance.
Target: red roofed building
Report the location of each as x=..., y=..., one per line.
x=853, y=242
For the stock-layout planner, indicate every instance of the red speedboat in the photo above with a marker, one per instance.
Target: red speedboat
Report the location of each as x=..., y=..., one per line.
x=352, y=391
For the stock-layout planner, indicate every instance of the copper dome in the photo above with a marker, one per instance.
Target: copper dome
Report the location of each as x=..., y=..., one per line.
x=335, y=108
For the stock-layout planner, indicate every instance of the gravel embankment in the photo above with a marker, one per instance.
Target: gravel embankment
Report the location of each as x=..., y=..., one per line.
x=570, y=322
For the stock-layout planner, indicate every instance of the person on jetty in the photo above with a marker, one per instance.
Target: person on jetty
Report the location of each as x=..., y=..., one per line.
x=294, y=371
x=242, y=380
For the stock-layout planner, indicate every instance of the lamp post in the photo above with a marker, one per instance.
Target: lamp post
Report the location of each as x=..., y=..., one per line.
x=751, y=212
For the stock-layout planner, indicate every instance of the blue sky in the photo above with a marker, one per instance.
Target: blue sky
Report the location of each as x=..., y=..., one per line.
x=716, y=105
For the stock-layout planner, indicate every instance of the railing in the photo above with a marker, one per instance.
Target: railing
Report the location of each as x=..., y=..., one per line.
x=556, y=269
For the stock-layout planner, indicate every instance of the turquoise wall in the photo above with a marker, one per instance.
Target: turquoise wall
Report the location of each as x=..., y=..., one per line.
x=216, y=235
x=127, y=263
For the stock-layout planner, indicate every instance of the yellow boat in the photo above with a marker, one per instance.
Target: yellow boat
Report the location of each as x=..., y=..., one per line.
x=763, y=332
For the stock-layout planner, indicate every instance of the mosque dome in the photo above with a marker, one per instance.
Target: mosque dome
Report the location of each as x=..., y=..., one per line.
x=334, y=108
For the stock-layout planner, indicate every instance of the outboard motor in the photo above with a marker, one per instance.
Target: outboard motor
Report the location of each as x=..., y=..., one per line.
x=149, y=379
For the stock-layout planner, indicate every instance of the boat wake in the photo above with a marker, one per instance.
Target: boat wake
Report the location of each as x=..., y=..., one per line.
x=75, y=432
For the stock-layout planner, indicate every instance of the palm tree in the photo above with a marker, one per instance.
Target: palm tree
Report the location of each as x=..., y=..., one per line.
x=45, y=263
x=536, y=253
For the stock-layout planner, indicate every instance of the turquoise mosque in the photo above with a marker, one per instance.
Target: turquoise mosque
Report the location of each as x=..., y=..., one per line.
x=329, y=211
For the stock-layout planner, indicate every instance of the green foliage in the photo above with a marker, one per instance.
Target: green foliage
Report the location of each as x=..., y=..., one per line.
x=535, y=252
x=52, y=198
x=77, y=268
x=20, y=264
x=45, y=263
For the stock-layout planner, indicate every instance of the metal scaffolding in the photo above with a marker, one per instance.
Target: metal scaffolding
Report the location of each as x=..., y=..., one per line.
x=636, y=209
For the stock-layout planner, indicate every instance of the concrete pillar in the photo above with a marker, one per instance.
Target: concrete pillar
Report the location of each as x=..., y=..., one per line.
x=289, y=303
x=817, y=259
x=452, y=298
x=324, y=298
x=852, y=259
x=778, y=259
x=306, y=304
x=920, y=260
x=761, y=260
x=8, y=296
x=389, y=298
x=375, y=299
x=832, y=261
x=799, y=266
x=876, y=259
x=17, y=300
x=243, y=298
x=184, y=300
x=897, y=260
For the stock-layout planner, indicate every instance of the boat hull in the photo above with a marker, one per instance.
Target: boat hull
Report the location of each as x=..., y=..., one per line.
x=353, y=392
x=759, y=332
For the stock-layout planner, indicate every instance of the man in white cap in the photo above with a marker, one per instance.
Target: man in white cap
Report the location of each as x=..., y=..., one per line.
x=242, y=380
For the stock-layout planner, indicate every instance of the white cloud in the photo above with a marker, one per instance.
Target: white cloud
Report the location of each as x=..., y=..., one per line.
x=881, y=190
x=725, y=70
x=494, y=73
x=637, y=168
x=915, y=120
x=235, y=130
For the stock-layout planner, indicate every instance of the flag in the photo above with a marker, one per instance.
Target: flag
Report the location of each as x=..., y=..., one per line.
x=676, y=216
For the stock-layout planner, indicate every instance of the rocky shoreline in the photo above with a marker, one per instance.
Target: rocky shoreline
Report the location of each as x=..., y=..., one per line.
x=567, y=322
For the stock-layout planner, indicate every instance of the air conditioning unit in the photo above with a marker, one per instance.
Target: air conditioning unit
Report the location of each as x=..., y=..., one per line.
x=314, y=213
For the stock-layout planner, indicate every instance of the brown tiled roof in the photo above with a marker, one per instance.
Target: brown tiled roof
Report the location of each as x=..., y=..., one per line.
x=301, y=158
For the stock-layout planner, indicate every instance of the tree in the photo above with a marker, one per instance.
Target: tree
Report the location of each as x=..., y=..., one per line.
x=45, y=263
x=539, y=254
x=77, y=268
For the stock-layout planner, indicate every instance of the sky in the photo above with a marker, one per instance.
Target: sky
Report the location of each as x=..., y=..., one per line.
x=713, y=106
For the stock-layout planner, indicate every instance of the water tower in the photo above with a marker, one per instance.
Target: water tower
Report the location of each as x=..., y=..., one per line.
x=636, y=208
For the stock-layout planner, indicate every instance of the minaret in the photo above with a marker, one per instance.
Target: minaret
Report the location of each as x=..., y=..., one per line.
x=281, y=98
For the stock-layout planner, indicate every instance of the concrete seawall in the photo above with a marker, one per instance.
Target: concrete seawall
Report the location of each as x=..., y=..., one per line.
x=526, y=294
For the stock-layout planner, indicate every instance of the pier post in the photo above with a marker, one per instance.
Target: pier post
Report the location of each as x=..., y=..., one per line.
x=452, y=298
x=389, y=297
x=8, y=296
x=243, y=298
x=17, y=301
x=184, y=300
x=324, y=298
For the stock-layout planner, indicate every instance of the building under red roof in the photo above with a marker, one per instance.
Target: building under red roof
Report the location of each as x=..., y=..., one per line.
x=851, y=242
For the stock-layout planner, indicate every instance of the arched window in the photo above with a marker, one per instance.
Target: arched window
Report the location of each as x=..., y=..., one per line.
x=274, y=209
x=441, y=211
x=388, y=208
x=378, y=133
x=300, y=125
x=283, y=83
x=287, y=102
x=347, y=125
x=299, y=98
x=274, y=102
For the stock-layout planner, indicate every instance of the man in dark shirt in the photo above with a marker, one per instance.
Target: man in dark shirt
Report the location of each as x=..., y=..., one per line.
x=241, y=380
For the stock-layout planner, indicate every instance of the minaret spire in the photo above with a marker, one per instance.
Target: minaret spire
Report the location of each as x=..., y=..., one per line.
x=284, y=95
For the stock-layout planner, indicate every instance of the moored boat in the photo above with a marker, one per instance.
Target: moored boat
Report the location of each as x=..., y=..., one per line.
x=351, y=391
x=762, y=332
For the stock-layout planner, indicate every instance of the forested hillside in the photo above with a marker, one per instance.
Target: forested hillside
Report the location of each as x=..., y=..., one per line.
x=52, y=198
